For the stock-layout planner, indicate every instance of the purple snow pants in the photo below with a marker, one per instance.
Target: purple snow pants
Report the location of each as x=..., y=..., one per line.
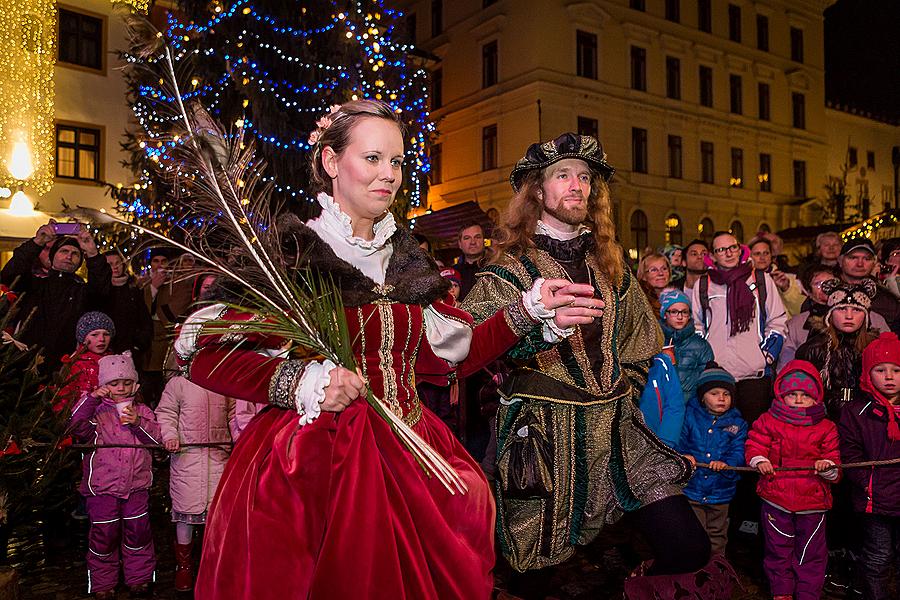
x=119, y=527
x=796, y=554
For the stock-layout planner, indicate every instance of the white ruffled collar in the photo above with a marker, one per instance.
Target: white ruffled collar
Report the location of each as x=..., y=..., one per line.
x=339, y=223
x=557, y=234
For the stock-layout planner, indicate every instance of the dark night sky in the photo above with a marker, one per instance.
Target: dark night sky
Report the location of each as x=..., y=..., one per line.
x=862, y=55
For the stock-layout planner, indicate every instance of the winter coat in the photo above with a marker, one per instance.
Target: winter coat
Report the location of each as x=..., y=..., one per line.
x=190, y=414
x=59, y=299
x=692, y=352
x=744, y=355
x=243, y=413
x=113, y=471
x=863, y=431
x=662, y=400
x=787, y=445
x=808, y=323
x=134, y=328
x=840, y=368
x=81, y=379
x=708, y=437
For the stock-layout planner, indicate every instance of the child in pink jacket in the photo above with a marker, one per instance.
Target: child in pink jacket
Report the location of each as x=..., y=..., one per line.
x=795, y=433
x=188, y=414
x=117, y=481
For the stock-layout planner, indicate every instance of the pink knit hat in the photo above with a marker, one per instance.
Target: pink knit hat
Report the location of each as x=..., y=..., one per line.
x=116, y=366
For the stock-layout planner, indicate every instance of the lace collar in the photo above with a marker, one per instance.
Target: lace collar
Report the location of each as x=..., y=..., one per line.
x=338, y=223
x=557, y=234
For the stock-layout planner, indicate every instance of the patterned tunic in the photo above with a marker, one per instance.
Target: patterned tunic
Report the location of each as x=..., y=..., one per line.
x=581, y=394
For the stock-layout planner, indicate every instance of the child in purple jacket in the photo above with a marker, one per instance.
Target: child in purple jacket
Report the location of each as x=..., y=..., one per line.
x=117, y=481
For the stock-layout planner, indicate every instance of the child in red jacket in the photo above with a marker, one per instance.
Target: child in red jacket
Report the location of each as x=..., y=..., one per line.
x=94, y=332
x=795, y=433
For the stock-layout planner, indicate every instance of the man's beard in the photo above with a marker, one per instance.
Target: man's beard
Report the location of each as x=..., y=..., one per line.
x=569, y=216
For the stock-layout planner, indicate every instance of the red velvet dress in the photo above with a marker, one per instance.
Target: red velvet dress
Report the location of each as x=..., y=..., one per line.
x=339, y=509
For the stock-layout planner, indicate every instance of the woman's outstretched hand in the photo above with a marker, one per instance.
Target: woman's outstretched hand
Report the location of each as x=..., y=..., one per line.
x=345, y=387
x=574, y=302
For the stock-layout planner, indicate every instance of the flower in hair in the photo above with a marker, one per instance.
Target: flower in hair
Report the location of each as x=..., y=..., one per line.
x=313, y=137
x=324, y=123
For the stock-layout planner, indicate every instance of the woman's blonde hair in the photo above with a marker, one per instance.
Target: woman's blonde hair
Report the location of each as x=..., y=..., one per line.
x=515, y=234
x=338, y=125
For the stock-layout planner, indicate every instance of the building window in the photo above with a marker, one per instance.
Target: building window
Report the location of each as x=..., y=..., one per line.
x=676, y=157
x=762, y=33
x=674, y=233
x=707, y=163
x=586, y=50
x=673, y=10
x=870, y=159
x=800, y=178
x=796, y=44
x=437, y=88
x=734, y=23
x=588, y=126
x=638, y=4
x=489, y=148
x=437, y=17
x=80, y=39
x=706, y=229
x=489, y=64
x=411, y=28
x=704, y=15
x=638, y=68
x=77, y=153
x=639, y=231
x=737, y=230
x=638, y=150
x=706, y=86
x=765, y=227
x=765, y=173
x=765, y=104
x=673, y=78
x=852, y=157
x=437, y=164
x=798, y=105
x=736, y=93
x=737, y=168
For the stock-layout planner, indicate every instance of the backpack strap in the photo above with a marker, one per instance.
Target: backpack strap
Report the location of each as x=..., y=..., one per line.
x=759, y=287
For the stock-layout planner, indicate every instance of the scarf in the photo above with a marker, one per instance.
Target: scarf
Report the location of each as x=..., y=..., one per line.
x=795, y=415
x=120, y=281
x=738, y=296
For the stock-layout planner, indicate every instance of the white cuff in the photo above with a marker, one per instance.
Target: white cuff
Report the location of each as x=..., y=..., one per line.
x=829, y=475
x=754, y=462
x=531, y=300
x=310, y=392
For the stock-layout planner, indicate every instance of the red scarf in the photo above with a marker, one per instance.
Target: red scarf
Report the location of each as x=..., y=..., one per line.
x=738, y=295
x=893, y=427
x=884, y=349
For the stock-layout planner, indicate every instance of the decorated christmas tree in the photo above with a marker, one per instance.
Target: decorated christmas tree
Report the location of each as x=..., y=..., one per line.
x=270, y=69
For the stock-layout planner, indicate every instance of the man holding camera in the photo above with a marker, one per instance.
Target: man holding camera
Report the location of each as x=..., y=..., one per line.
x=51, y=306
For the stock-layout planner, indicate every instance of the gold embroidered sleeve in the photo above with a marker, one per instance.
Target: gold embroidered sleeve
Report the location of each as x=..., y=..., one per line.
x=490, y=294
x=641, y=335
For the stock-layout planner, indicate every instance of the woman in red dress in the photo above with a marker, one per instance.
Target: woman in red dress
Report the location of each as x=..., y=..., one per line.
x=331, y=504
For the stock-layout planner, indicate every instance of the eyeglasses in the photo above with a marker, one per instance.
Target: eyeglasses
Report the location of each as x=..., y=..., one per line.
x=678, y=313
x=727, y=249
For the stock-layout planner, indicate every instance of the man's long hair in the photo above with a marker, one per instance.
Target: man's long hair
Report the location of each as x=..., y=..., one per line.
x=515, y=234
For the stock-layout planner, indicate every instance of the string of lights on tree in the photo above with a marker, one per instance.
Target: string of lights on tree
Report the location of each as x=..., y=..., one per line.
x=271, y=68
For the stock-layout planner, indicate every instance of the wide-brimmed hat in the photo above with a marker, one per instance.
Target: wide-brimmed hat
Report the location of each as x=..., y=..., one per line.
x=568, y=145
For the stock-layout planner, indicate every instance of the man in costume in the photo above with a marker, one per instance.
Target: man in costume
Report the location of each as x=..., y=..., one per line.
x=574, y=453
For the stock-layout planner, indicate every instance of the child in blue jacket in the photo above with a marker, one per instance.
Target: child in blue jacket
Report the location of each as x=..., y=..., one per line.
x=662, y=400
x=713, y=433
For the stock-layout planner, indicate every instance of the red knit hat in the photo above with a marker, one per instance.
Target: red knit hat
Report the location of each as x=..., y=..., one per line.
x=885, y=349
